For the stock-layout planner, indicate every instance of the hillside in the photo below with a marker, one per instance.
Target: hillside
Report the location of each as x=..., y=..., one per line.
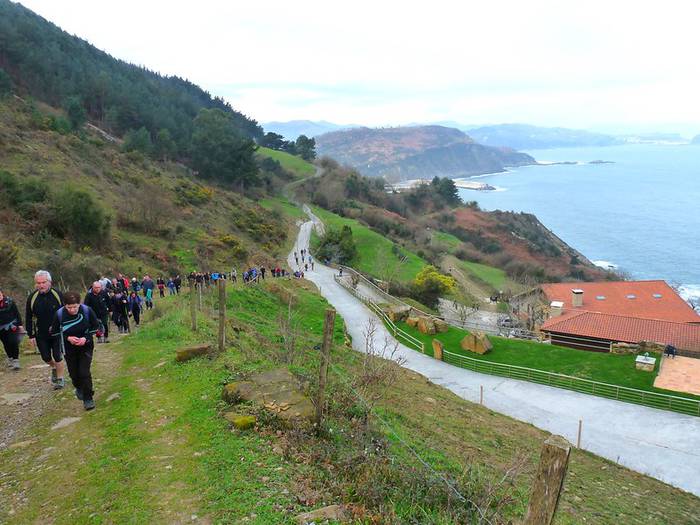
x=62, y=70
x=133, y=215
x=416, y=152
x=525, y=136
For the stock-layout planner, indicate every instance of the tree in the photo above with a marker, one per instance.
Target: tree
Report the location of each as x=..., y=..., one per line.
x=138, y=140
x=165, y=146
x=306, y=147
x=273, y=141
x=77, y=116
x=430, y=284
x=220, y=152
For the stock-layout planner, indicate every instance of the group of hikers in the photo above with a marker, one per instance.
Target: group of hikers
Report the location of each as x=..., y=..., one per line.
x=64, y=327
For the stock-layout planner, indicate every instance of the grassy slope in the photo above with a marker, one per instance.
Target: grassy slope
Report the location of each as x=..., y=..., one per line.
x=295, y=164
x=162, y=453
x=374, y=249
x=191, y=232
x=604, y=367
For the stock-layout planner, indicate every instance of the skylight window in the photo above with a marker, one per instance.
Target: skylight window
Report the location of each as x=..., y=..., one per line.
x=600, y=297
x=657, y=296
x=631, y=296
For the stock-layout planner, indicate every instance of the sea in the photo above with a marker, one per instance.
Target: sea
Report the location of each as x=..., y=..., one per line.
x=639, y=213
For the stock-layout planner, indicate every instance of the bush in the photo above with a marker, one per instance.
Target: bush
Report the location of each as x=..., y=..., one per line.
x=76, y=215
x=429, y=285
x=337, y=246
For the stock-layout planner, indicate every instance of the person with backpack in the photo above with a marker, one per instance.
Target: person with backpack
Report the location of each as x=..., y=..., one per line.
x=133, y=305
x=98, y=299
x=74, y=325
x=161, y=286
x=120, y=312
x=10, y=330
x=42, y=305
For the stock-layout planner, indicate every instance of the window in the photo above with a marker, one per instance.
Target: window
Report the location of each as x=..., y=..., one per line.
x=600, y=297
x=631, y=296
x=657, y=296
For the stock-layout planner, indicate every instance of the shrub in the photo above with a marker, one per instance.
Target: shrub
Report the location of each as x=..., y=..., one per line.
x=429, y=285
x=337, y=245
x=79, y=217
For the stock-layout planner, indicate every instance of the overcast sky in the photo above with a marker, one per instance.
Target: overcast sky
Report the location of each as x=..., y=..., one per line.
x=606, y=65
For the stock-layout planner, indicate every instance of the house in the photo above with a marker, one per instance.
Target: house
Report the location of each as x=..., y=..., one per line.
x=596, y=315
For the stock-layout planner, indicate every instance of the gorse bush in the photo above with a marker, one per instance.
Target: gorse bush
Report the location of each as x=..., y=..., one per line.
x=78, y=216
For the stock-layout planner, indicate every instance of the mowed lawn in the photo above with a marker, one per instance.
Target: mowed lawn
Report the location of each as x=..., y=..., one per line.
x=295, y=164
x=374, y=251
x=614, y=369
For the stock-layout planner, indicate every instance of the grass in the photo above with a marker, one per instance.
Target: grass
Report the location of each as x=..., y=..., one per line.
x=295, y=164
x=615, y=369
x=282, y=205
x=162, y=453
x=374, y=251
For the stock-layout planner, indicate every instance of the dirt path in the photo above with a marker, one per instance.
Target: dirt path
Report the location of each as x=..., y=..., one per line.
x=27, y=394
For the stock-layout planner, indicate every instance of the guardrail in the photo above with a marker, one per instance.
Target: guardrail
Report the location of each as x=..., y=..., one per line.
x=398, y=332
x=576, y=384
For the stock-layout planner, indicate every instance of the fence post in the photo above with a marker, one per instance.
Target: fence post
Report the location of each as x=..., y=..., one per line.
x=328, y=325
x=578, y=438
x=199, y=288
x=481, y=395
x=222, y=314
x=544, y=498
x=193, y=306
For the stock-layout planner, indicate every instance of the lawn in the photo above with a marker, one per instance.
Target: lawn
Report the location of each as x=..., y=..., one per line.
x=614, y=369
x=374, y=251
x=295, y=164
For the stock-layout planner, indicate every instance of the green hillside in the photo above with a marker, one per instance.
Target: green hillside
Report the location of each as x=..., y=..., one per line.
x=377, y=255
x=295, y=164
x=81, y=206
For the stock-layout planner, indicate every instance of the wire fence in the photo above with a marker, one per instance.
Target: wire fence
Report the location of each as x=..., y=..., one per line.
x=586, y=386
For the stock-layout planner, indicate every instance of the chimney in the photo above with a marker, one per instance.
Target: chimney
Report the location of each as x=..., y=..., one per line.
x=555, y=309
x=576, y=297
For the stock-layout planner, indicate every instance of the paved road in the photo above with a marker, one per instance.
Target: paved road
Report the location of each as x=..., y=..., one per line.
x=664, y=445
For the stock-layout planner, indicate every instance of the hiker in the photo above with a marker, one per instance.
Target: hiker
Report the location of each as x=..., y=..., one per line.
x=10, y=330
x=234, y=275
x=42, y=305
x=149, y=299
x=340, y=272
x=74, y=325
x=312, y=264
x=120, y=313
x=99, y=301
x=306, y=267
x=135, y=286
x=262, y=272
x=178, y=283
x=161, y=286
x=171, y=286
x=133, y=306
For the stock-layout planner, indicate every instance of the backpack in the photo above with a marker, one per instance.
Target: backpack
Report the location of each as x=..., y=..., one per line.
x=35, y=294
x=83, y=308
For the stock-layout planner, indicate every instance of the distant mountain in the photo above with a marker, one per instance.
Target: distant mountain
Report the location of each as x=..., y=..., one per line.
x=696, y=140
x=525, y=136
x=292, y=129
x=654, y=138
x=404, y=153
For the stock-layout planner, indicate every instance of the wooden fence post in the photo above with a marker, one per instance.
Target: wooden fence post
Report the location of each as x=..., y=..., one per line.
x=481, y=395
x=193, y=306
x=554, y=461
x=199, y=289
x=222, y=314
x=328, y=326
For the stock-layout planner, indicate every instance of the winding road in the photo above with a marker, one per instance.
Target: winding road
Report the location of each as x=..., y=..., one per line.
x=664, y=445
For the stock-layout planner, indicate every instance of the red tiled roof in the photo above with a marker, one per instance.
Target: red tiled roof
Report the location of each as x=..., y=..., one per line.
x=646, y=303
x=625, y=329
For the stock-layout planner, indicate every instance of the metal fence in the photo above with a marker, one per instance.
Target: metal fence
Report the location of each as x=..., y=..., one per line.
x=576, y=384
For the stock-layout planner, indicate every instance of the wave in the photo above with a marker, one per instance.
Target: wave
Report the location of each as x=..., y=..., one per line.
x=607, y=265
x=689, y=291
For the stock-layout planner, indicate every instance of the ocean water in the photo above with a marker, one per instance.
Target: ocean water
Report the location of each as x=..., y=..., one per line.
x=640, y=214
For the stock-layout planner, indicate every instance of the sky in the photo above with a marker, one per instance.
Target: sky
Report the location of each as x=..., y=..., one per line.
x=611, y=66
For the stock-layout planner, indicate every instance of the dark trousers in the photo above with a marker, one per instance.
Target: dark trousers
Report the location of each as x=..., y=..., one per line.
x=79, y=361
x=136, y=312
x=10, y=340
x=105, y=324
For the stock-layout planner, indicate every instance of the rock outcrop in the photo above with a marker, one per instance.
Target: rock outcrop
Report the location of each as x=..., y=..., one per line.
x=476, y=342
